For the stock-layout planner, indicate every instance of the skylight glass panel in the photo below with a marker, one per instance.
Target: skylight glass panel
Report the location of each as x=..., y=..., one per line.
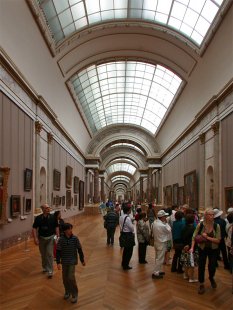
x=150, y=88
x=171, y=13
x=120, y=177
x=128, y=145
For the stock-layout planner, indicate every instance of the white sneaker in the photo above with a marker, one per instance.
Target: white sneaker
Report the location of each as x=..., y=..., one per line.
x=193, y=280
x=185, y=277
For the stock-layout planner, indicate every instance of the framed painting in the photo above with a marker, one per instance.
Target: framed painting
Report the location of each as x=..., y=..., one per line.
x=228, y=197
x=190, y=189
x=75, y=200
x=27, y=206
x=164, y=196
x=27, y=180
x=169, y=195
x=4, y=176
x=76, y=183
x=181, y=196
x=56, y=180
x=15, y=205
x=69, y=172
x=81, y=195
x=57, y=201
x=68, y=199
x=175, y=188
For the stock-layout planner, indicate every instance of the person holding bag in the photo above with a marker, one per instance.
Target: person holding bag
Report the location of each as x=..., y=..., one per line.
x=188, y=260
x=208, y=248
x=127, y=234
x=143, y=237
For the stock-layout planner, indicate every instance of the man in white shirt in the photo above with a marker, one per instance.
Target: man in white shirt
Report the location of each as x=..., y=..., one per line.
x=162, y=233
x=127, y=228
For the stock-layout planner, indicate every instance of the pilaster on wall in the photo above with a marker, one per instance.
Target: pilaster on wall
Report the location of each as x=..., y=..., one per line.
x=202, y=171
x=50, y=168
x=96, y=185
x=38, y=129
x=149, y=185
x=215, y=128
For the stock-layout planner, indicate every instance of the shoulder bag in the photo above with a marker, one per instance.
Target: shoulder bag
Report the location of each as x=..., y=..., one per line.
x=126, y=239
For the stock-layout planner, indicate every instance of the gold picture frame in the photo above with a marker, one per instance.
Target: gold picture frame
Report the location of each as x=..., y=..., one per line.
x=4, y=176
x=190, y=189
x=69, y=172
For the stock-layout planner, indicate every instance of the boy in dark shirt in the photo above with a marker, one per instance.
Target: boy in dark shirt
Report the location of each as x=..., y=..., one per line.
x=67, y=248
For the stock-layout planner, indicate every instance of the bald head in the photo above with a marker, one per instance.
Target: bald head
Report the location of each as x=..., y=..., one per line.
x=45, y=208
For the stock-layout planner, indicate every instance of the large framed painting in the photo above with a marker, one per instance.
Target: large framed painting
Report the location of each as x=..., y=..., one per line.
x=181, y=196
x=27, y=180
x=68, y=199
x=190, y=189
x=69, y=172
x=164, y=196
x=15, y=205
x=75, y=200
x=228, y=197
x=169, y=195
x=27, y=208
x=76, y=184
x=56, y=180
x=175, y=188
x=4, y=176
x=81, y=195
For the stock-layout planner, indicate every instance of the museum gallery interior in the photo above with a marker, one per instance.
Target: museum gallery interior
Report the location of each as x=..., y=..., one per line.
x=113, y=99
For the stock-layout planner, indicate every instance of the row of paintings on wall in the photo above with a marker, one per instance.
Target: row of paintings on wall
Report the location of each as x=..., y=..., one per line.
x=16, y=207
x=67, y=200
x=69, y=177
x=179, y=195
x=188, y=194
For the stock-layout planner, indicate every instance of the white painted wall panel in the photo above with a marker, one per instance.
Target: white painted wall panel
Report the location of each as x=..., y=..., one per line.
x=23, y=42
x=213, y=72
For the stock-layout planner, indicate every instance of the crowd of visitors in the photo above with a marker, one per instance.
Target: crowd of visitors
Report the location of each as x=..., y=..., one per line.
x=192, y=239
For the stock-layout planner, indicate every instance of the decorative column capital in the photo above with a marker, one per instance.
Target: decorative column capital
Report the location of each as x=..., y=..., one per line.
x=202, y=138
x=49, y=137
x=38, y=127
x=215, y=128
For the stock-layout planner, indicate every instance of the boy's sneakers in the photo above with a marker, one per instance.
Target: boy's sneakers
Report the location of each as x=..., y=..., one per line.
x=193, y=280
x=50, y=275
x=213, y=283
x=157, y=276
x=201, y=289
x=66, y=296
x=74, y=299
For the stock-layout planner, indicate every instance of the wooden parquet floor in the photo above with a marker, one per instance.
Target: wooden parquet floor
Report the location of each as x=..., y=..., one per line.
x=102, y=283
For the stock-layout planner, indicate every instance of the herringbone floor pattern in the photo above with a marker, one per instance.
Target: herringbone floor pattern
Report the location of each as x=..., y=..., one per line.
x=102, y=283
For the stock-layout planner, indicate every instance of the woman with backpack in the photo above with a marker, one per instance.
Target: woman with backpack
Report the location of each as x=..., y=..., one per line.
x=207, y=235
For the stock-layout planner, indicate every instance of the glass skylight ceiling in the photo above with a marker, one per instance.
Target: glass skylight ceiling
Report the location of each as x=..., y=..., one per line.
x=124, y=159
x=121, y=167
x=120, y=178
x=190, y=17
x=125, y=92
x=128, y=145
